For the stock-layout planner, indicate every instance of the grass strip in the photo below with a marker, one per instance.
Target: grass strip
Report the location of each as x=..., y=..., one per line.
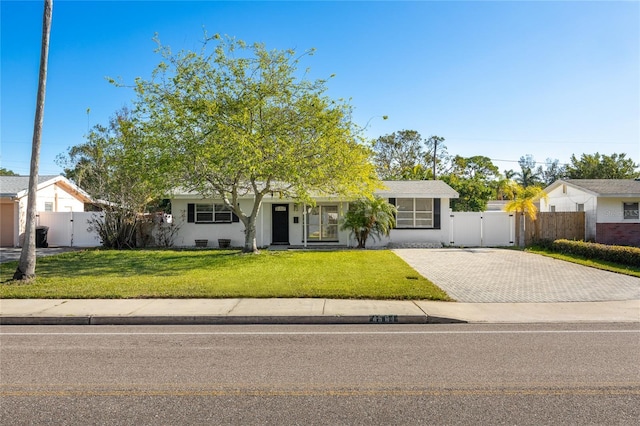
x=594, y=263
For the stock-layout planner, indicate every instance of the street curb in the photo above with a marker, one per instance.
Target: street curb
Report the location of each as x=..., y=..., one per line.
x=226, y=320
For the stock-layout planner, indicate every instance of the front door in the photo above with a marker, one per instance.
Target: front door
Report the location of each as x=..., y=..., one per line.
x=280, y=224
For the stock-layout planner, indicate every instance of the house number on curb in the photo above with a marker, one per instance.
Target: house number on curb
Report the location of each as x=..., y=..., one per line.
x=383, y=319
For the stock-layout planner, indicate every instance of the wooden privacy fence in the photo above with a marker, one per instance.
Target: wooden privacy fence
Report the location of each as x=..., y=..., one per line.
x=550, y=226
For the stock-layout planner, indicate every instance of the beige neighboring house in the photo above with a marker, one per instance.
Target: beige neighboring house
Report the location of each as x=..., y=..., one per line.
x=55, y=194
x=610, y=206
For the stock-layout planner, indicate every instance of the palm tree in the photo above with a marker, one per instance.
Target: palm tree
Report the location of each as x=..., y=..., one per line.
x=524, y=203
x=27, y=265
x=366, y=218
x=505, y=188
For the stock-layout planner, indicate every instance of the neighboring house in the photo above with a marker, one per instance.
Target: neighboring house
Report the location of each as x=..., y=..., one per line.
x=55, y=194
x=496, y=205
x=423, y=212
x=610, y=206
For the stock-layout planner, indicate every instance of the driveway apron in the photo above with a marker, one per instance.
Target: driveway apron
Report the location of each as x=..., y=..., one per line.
x=491, y=275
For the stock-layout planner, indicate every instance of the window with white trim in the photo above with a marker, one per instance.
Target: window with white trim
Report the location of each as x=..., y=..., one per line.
x=630, y=211
x=48, y=206
x=414, y=213
x=322, y=223
x=212, y=213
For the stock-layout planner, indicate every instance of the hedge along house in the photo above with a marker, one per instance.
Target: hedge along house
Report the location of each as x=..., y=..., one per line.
x=610, y=206
x=55, y=194
x=423, y=207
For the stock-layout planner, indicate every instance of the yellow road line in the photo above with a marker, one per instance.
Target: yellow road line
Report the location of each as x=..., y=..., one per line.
x=322, y=392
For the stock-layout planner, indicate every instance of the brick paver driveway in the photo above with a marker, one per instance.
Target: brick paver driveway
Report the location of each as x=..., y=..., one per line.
x=499, y=275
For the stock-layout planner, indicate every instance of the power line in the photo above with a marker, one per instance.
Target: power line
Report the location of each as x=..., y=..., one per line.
x=518, y=161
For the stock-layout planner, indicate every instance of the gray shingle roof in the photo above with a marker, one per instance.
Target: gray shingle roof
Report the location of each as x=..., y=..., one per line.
x=417, y=188
x=608, y=187
x=10, y=186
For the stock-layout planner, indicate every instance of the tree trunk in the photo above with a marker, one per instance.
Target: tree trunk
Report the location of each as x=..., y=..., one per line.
x=250, y=245
x=521, y=229
x=27, y=264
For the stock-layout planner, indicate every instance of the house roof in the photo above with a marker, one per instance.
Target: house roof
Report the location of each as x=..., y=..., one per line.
x=603, y=187
x=417, y=188
x=11, y=186
x=18, y=186
x=395, y=188
x=496, y=205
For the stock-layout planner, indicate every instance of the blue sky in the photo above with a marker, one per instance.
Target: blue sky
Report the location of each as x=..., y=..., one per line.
x=500, y=79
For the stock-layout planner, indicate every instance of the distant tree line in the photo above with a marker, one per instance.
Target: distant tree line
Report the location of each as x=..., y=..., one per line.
x=406, y=155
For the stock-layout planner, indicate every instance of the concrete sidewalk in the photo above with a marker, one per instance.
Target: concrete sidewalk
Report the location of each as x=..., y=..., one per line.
x=303, y=311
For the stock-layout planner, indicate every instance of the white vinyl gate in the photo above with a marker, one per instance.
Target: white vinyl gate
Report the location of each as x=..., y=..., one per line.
x=482, y=229
x=69, y=229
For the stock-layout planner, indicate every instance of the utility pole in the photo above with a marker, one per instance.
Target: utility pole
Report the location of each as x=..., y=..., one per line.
x=434, y=140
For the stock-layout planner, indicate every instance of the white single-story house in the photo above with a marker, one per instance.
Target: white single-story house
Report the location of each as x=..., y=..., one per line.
x=610, y=206
x=55, y=194
x=423, y=212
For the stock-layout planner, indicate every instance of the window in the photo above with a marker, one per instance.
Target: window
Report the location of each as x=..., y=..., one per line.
x=579, y=207
x=322, y=223
x=48, y=206
x=631, y=211
x=552, y=209
x=414, y=213
x=212, y=213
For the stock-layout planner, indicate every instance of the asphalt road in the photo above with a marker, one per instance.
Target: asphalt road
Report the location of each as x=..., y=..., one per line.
x=434, y=374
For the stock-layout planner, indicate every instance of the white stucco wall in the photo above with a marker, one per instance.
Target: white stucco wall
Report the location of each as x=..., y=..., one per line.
x=189, y=232
x=610, y=210
x=567, y=202
x=418, y=236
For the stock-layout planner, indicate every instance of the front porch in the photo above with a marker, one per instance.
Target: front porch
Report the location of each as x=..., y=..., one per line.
x=310, y=247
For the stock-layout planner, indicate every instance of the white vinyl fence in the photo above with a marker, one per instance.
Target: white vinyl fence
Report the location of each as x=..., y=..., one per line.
x=469, y=229
x=482, y=229
x=69, y=229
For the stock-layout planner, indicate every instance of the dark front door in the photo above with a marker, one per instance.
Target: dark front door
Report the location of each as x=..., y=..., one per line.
x=280, y=224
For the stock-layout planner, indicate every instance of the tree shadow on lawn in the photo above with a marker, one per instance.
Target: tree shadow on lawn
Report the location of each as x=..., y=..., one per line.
x=127, y=263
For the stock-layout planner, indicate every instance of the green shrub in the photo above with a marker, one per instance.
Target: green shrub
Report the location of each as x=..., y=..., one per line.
x=619, y=254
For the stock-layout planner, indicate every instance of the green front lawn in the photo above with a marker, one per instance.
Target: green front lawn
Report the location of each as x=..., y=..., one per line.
x=371, y=274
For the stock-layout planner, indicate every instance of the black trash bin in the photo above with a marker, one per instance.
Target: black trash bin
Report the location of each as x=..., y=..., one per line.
x=41, y=236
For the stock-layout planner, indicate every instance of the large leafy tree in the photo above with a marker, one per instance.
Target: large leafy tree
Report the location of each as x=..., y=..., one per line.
x=240, y=120
x=405, y=155
x=369, y=218
x=27, y=264
x=597, y=166
x=473, y=178
x=400, y=155
x=118, y=167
